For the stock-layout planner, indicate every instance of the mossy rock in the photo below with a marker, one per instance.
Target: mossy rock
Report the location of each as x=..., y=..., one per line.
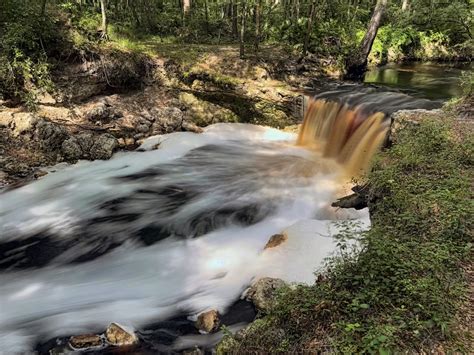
x=204, y=113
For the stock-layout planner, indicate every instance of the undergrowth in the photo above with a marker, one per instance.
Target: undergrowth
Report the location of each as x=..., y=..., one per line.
x=403, y=290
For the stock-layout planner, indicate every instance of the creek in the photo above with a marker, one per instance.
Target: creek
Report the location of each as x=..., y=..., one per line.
x=179, y=226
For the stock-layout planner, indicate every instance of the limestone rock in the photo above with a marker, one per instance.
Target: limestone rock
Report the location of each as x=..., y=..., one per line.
x=85, y=341
x=119, y=336
x=88, y=146
x=51, y=135
x=208, y=321
x=167, y=120
x=263, y=292
x=142, y=128
x=275, y=240
x=103, y=147
x=98, y=112
x=21, y=122
x=6, y=119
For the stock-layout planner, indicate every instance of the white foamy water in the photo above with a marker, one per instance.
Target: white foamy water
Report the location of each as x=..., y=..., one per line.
x=208, y=186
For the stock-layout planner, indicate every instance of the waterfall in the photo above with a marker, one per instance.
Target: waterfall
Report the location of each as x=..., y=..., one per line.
x=348, y=135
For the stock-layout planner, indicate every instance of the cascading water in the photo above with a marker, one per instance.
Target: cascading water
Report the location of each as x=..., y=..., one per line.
x=178, y=229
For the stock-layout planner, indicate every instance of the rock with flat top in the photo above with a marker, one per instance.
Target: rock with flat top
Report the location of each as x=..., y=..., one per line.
x=85, y=341
x=117, y=335
x=208, y=321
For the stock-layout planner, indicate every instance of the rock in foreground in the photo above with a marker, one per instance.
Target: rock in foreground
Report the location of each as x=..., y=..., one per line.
x=119, y=336
x=263, y=292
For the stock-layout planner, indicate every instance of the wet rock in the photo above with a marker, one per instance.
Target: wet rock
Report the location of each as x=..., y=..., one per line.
x=208, y=321
x=50, y=135
x=355, y=200
x=120, y=336
x=98, y=112
x=263, y=292
x=191, y=127
x=275, y=240
x=85, y=341
x=103, y=147
x=194, y=351
x=18, y=169
x=88, y=146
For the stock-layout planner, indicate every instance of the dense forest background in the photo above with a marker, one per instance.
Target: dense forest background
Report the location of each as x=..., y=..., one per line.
x=35, y=35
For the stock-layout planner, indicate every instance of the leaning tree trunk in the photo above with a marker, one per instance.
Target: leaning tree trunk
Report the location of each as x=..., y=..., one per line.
x=242, y=31
x=357, y=66
x=103, y=6
x=309, y=28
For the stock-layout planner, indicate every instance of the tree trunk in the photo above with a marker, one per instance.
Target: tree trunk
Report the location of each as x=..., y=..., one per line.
x=357, y=66
x=257, y=24
x=206, y=13
x=309, y=28
x=235, y=29
x=242, y=31
x=405, y=5
x=103, y=6
x=186, y=6
x=43, y=8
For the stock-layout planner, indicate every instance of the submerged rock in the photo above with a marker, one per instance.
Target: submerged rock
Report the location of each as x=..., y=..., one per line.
x=275, y=240
x=119, y=336
x=85, y=341
x=263, y=292
x=208, y=321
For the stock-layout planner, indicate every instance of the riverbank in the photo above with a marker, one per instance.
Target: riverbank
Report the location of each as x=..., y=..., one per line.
x=410, y=288
x=118, y=96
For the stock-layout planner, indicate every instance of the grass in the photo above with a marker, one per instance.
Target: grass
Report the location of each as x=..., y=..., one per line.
x=403, y=291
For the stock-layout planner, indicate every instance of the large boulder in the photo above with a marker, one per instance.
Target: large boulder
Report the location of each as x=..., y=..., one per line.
x=263, y=293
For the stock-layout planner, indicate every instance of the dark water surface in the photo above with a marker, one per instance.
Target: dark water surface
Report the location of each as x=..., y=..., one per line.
x=433, y=81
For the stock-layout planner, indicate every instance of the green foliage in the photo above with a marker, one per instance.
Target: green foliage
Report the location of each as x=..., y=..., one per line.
x=402, y=290
x=26, y=39
x=467, y=83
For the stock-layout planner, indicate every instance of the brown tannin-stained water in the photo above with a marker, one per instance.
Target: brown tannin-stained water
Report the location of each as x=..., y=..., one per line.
x=350, y=136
